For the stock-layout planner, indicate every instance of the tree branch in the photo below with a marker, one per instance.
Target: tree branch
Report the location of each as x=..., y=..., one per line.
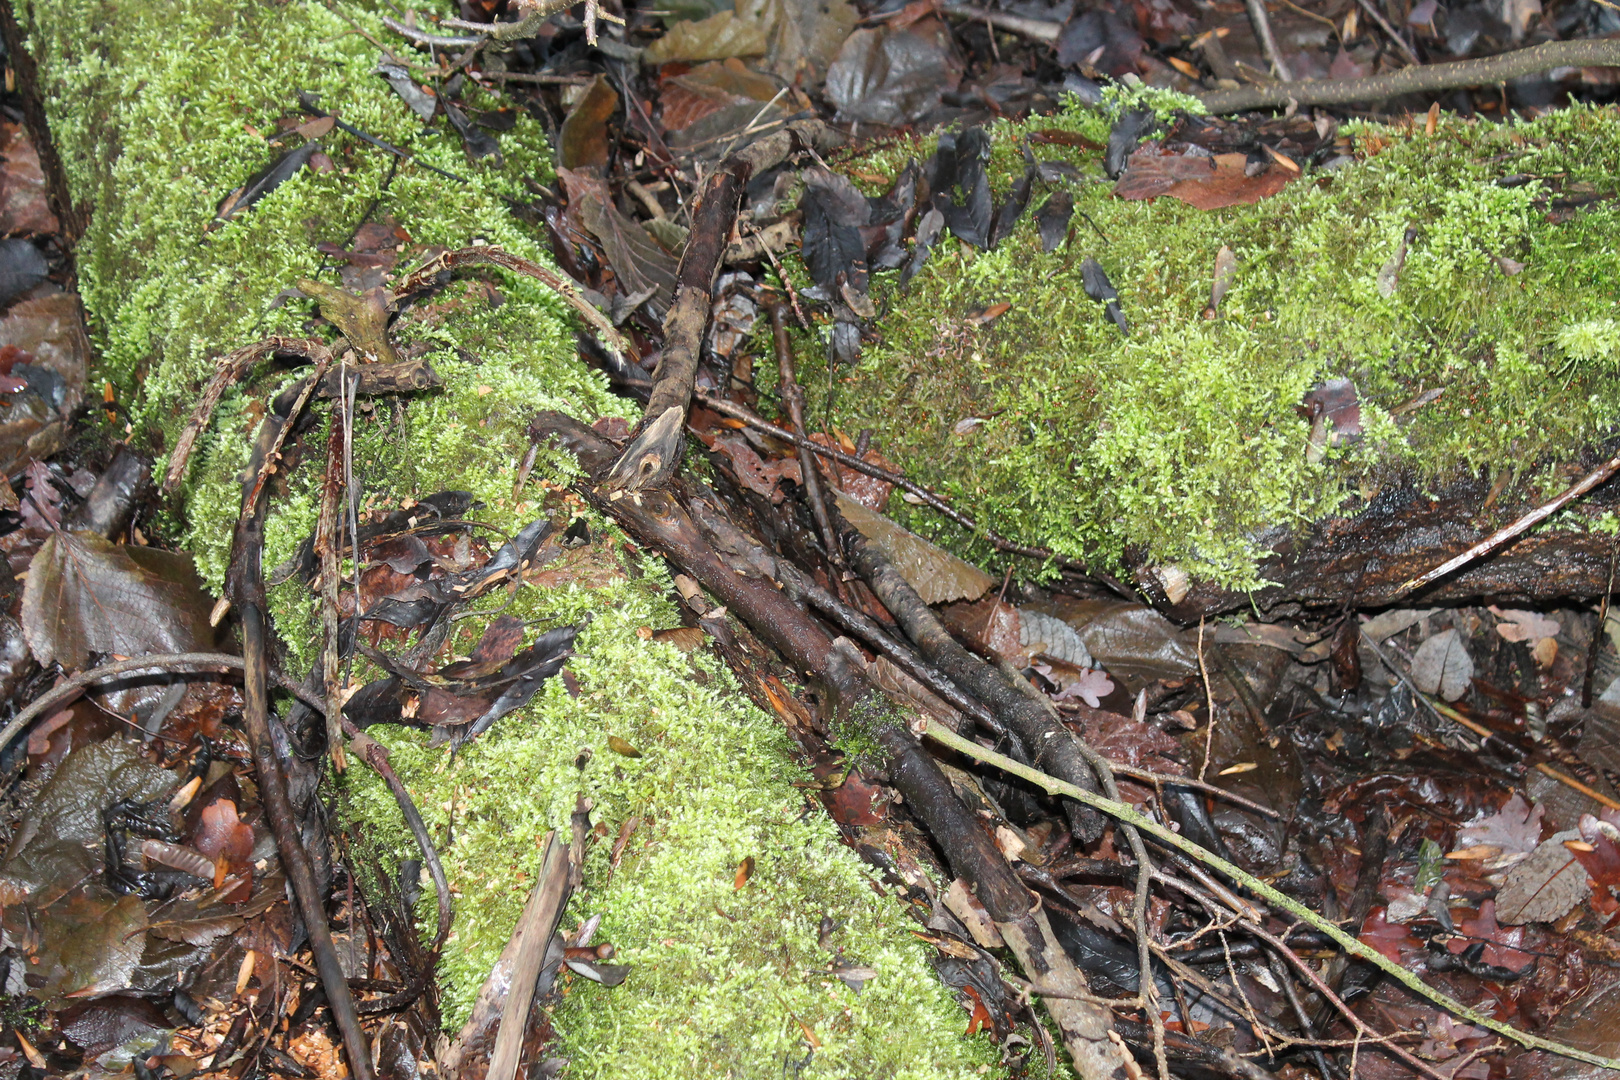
x=1425, y=79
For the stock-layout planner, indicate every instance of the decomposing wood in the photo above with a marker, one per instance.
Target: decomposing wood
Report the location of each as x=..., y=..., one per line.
x=21, y=62
x=654, y=452
x=1421, y=79
x=534, y=929
x=1053, y=747
x=245, y=586
x=793, y=399
x=326, y=551
x=658, y=520
x=1346, y=941
x=1362, y=561
x=1600, y=475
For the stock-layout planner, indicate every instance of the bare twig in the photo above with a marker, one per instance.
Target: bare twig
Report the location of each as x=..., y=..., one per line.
x=1426, y=78
x=929, y=498
x=245, y=586
x=70, y=688
x=1383, y=24
x=423, y=278
x=1121, y=812
x=1529, y=521
x=536, y=925
x=1035, y=29
x=1268, y=43
x=793, y=399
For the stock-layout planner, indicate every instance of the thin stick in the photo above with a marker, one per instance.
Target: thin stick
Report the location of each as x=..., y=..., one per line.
x=1383, y=24
x=1268, y=44
x=1209, y=702
x=1524, y=524
x=793, y=398
x=70, y=688
x=754, y=420
x=1121, y=812
x=423, y=278
x=1037, y=29
x=1421, y=78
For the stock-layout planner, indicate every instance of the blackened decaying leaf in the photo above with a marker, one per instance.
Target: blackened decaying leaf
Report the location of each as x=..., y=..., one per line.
x=929, y=227
x=1129, y=130
x=1012, y=207
x=523, y=676
x=888, y=217
x=962, y=187
x=891, y=75
x=1101, y=39
x=22, y=266
x=833, y=250
x=1099, y=288
x=1053, y=220
x=428, y=516
x=265, y=181
x=398, y=76
x=479, y=143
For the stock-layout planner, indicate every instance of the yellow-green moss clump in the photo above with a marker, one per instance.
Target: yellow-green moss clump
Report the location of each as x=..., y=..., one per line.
x=1182, y=440
x=159, y=110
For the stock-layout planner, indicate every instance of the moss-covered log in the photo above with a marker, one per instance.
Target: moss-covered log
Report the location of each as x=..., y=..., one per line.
x=159, y=110
x=1464, y=281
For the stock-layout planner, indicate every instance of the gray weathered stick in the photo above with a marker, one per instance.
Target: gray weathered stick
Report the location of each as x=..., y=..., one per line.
x=536, y=925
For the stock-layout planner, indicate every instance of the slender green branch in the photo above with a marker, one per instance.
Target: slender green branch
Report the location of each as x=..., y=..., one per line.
x=945, y=736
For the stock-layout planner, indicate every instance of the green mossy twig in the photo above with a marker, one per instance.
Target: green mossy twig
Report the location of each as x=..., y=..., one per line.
x=1119, y=811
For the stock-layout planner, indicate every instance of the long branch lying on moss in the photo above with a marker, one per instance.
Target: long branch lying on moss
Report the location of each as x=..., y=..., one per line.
x=657, y=518
x=1120, y=812
x=1428, y=78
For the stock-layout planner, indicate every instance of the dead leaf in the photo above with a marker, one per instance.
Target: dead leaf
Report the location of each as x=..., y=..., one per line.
x=1207, y=183
x=619, y=746
x=684, y=638
x=86, y=595
x=721, y=35
x=745, y=870
x=1545, y=886
x=1442, y=666
x=584, y=138
x=938, y=576
x=1524, y=625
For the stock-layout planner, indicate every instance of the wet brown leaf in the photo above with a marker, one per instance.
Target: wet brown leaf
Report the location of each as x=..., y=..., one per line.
x=936, y=574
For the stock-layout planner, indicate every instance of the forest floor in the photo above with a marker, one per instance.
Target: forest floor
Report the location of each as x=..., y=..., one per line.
x=1355, y=807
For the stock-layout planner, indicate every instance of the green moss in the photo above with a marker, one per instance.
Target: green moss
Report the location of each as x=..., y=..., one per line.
x=1182, y=440
x=152, y=106
x=723, y=977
